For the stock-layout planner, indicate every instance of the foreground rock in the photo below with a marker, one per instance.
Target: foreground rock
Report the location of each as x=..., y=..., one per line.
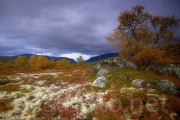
x=167, y=85
x=100, y=82
x=101, y=72
x=117, y=62
x=140, y=83
x=169, y=69
x=126, y=78
x=96, y=68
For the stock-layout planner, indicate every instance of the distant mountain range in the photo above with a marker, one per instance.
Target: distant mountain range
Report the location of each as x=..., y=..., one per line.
x=92, y=59
x=102, y=57
x=29, y=55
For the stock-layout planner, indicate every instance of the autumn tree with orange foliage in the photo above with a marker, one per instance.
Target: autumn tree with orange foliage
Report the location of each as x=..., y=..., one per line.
x=41, y=62
x=38, y=62
x=1, y=63
x=32, y=61
x=21, y=61
x=144, y=39
x=63, y=64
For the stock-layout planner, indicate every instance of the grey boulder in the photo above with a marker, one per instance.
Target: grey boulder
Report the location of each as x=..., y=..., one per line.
x=167, y=85
x=126, y=78
x=117, y=62
x=96, y=68
x=101, y=72
x=140, y=83
x=100, y=82
x=169, y=69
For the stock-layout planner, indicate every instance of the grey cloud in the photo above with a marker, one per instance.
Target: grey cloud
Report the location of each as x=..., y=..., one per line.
x=66, y=26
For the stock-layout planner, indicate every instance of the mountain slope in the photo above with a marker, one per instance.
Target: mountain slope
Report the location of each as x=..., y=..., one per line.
x=102, y=57
x=29, y=55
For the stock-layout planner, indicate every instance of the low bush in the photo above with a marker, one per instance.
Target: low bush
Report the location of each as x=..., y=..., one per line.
x=10, y=88
x=5, y=81
x=47, y=77
x=5, y=105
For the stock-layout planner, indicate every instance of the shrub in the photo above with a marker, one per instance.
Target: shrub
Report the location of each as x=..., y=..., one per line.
x=5, y=105
x=5, y=81
x=51, y=63
x=80, y=61
x=10, y=87
x=38, y=62
x=21, y=61
x=63, y=64
x=1, y=63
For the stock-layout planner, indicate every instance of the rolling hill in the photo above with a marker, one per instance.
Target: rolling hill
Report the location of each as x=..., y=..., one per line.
x=92, y=59
x=102, y=57
x=28, y=55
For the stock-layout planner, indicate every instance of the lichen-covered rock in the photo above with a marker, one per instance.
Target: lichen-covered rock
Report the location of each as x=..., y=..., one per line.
x=167, y=85
x=132, y=65
x=126, y=78
x=117, y=62
x=112, y=61
x=177, y=72
x=96, y=68
x=101, y=72
x=140, y=83
x=100, y=82
x=169, y=69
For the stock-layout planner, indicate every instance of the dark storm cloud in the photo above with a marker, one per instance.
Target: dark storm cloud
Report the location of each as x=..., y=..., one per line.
x=67, y=26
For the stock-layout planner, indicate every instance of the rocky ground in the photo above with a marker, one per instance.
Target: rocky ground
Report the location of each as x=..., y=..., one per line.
x=89, y=93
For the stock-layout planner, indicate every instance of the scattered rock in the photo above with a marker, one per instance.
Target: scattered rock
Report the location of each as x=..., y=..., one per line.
x=111, y=61
x=167, y=85
x=100, y=82
x=117, y=62
x=177, y=72
x=55, y=115
x=132, y=65
x=126, y=78
x=2, y=118
x=169, y=69
x=101, y=72
x=140, y=83
x=96, y=68
x=76, y=103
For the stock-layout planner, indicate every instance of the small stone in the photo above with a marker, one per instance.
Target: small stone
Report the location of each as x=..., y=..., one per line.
x=140, y=83
x=56, y=114
x=96, y=68
x=126, y=78
x=167, y=85
x=101, y=72
x=100, y=82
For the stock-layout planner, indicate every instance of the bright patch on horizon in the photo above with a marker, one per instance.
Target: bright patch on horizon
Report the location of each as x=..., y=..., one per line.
x=76, y=55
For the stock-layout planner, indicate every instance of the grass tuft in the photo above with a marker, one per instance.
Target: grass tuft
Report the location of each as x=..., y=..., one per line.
x=5, y=105
x=5, y=81
x=47, y=77
x=10, y=88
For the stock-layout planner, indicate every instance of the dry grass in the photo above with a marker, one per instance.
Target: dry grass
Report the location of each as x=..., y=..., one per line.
x=10, y=88
x=29, y=111
x=47, y=77
x=5, y=105
x=25, y=90
x=4, y=81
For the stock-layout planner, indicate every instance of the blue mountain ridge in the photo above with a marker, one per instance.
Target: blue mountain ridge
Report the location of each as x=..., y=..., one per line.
x=92, y=59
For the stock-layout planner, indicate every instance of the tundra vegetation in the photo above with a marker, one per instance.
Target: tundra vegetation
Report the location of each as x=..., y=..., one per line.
x=38, y=88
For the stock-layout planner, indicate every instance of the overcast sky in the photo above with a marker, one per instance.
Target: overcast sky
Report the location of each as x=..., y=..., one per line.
x=67, y=28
